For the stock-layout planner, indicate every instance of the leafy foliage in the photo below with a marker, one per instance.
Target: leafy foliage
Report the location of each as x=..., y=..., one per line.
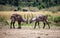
x=57, y=19
x=34, y=3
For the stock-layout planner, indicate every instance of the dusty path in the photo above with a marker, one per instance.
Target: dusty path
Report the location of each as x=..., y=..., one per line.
x=30, y=33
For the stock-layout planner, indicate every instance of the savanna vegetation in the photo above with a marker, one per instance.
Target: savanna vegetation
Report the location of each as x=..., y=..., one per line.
x=20, y=4
x=54, y=18
x=29, y=9
x=50, y=8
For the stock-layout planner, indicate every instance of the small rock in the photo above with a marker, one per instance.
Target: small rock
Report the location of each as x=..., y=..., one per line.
x=38, y=37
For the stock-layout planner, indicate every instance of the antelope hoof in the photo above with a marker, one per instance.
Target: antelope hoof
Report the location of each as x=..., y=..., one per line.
x=19, y=27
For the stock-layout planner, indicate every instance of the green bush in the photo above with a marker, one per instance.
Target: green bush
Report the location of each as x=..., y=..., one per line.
x=42, y=5
x=53, y=18
x=57, y=19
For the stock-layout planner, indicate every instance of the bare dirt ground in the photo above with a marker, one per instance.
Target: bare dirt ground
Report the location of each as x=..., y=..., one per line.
x=29, y=33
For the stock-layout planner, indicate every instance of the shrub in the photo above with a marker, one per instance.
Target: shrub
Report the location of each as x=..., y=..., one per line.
x=57, y=19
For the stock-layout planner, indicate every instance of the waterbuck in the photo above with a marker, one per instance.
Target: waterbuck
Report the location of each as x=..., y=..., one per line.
x=18, y=18
x=40, y=18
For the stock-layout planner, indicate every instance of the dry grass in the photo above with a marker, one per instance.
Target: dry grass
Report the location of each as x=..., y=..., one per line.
x=7, y=14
